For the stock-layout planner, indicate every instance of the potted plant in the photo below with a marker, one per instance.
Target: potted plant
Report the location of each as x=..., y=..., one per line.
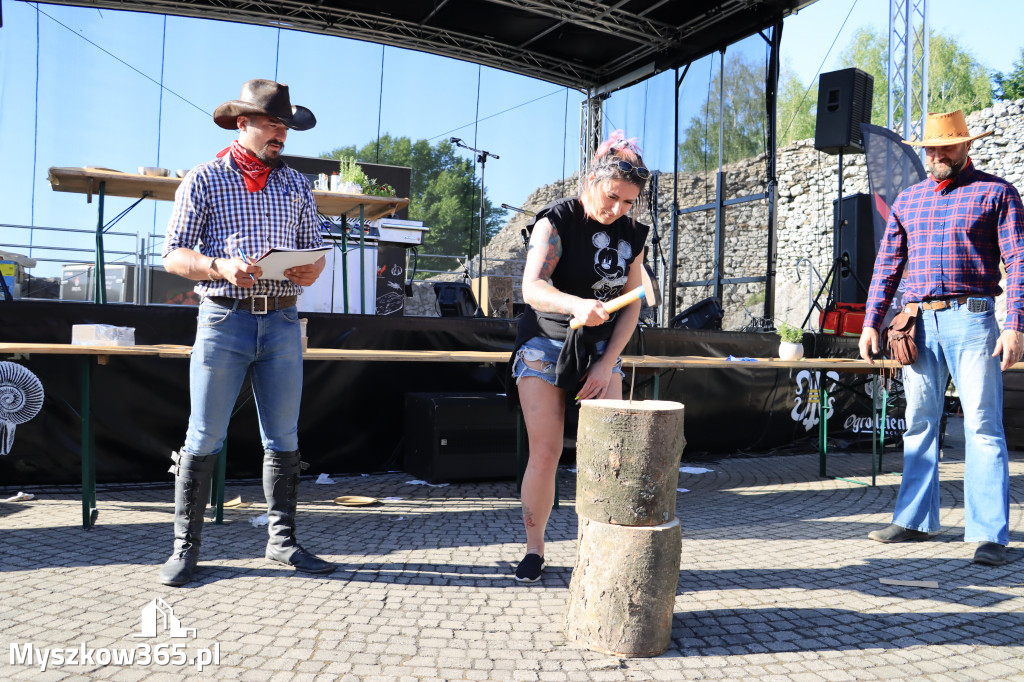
x=353, y=179
x=791, y=346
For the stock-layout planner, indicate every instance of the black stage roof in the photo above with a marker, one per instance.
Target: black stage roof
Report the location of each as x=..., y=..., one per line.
x=598, y=45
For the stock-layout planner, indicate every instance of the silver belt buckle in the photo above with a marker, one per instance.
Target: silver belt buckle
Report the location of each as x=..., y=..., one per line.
x=258, y=305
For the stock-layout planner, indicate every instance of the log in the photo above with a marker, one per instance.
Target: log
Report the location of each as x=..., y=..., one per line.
x=627, y=461
x=623, y=588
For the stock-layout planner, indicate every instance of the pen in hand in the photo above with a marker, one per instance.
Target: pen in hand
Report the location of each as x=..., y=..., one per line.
x=246, y=261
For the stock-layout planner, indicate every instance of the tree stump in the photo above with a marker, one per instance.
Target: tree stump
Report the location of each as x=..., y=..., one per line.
x=627, y=461
x=623, y=588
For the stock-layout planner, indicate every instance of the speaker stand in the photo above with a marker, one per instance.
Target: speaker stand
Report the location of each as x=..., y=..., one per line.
x=836, y=269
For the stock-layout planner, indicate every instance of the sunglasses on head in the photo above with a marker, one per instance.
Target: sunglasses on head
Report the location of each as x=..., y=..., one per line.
x=627, y=167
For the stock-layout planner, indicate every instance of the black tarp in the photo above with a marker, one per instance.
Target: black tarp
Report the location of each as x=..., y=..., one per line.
x=352, y=412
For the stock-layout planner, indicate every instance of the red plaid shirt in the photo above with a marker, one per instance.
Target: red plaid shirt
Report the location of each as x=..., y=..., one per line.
x=947, y=241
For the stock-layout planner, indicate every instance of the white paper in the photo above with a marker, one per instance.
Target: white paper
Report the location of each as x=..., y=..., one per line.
x=276, y=261
x=682, y=490
x=432, y=485
x=694, y=470
x=324, y=479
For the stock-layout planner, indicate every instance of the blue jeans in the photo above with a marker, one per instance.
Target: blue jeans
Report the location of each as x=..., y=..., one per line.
x=228, y=344
x=547, y=350
x=956, y=342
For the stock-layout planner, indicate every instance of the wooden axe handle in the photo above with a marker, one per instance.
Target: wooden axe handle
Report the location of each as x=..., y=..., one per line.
x=615, y=304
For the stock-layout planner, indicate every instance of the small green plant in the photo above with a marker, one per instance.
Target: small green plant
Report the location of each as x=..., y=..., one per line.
x=373, y=188
x=350, y=171
x=790, y=334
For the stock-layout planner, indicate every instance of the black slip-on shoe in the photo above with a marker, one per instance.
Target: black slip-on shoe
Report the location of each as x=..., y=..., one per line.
x=990, y=554
x=894, y=533
x=530, y=568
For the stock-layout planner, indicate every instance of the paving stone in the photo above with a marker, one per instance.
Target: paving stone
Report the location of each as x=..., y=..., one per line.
x=778, y=581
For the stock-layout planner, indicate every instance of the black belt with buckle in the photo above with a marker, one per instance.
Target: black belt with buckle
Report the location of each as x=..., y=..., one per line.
x=257, y=305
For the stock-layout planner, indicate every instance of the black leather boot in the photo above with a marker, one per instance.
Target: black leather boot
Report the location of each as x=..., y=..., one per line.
x=281, y=487
x=192, y=478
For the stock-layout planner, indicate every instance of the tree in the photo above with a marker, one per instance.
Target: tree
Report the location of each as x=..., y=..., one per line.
x=869, y=52
x=444, y=193
x=795, y=110
x=745, y=114
x=955, y=79
x=1011, y=86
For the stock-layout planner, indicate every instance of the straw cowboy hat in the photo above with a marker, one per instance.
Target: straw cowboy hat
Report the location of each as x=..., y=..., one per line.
x=941, y=130
x=267, y=98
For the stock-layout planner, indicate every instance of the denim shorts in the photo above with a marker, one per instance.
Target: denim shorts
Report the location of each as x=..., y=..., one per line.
x=547, y=350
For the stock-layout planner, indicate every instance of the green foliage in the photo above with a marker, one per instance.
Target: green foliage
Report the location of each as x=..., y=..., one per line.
x=744, y=132
x=795, y=110
x=444, y=194
x=1011, y=86
x=352, y=172
x=955, y=79
x=790, y=334
x=869, y=52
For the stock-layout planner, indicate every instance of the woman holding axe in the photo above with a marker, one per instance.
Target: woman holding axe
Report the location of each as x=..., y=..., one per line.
x=583, y=253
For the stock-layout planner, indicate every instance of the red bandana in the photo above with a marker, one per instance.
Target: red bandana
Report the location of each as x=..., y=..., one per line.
x=253, y=170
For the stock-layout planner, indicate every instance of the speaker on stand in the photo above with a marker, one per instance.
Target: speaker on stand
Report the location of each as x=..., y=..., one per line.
x=844, y=102
x=856, y=236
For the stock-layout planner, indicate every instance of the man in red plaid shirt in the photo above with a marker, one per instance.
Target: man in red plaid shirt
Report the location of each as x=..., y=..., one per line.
x=945, y=238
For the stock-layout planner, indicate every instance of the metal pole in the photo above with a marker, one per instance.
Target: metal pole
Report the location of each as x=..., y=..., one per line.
x=99, y=287
x=480, y=242
x=773, y=100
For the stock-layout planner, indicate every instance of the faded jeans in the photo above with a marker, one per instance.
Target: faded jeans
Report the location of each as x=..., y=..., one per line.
x=956, y=342
x=228, y=344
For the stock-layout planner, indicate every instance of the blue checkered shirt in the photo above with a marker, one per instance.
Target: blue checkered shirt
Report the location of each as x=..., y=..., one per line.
x=216, y=215
x=949, y=242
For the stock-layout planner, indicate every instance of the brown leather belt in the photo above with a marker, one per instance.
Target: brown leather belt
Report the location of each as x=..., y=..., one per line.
x=257, y=305
x=943, y=303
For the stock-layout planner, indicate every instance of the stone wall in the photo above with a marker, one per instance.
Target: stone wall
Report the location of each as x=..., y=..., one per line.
x=808, y=184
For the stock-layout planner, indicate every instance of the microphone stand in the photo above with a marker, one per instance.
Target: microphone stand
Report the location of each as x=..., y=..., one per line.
x=482, y=158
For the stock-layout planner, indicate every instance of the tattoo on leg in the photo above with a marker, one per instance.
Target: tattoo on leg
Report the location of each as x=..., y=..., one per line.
x=528, y=518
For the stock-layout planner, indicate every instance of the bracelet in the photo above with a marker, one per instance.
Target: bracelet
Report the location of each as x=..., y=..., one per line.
x=213, y=271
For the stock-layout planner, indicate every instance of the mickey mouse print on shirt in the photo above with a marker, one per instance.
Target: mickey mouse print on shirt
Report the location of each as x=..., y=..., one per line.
x=610, y=264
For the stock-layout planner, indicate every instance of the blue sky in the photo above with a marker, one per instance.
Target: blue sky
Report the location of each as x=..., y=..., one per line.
x=97, y=100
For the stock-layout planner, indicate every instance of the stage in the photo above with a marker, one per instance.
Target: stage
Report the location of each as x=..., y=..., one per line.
x=358, y=372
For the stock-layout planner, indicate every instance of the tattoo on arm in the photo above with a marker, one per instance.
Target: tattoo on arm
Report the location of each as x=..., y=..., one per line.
x=543, y=254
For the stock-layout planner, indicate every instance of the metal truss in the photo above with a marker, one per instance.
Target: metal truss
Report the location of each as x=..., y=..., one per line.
x=908, y=67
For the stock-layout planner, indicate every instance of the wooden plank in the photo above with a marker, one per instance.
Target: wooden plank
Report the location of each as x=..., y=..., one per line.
x=908, y=583
x=134, y=186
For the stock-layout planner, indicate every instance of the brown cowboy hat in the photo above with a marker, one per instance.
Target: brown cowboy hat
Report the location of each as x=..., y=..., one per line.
x=945, y=129
x=266, y=98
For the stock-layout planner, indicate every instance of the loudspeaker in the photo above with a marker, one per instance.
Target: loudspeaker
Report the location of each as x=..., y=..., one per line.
x=844, y=102
x=454, y=299
x=706, y=314
x=855, y=239
x=459, y=437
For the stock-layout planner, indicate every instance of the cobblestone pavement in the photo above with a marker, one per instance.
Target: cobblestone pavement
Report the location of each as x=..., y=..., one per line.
x=778, y=582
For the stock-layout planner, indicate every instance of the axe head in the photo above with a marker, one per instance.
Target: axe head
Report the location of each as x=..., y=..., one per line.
x=652, y=292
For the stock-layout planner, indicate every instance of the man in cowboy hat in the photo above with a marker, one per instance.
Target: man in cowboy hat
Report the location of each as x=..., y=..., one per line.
x=242, y=203
x=945, y=237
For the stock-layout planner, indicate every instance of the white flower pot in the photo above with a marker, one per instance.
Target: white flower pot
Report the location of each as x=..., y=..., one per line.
x=790, y=351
